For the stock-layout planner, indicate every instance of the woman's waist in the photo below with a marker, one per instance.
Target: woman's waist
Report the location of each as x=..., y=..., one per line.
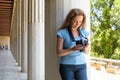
x=79, y=59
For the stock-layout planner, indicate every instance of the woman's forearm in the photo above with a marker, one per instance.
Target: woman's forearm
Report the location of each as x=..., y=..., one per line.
x=64, y=52
x=87, y=49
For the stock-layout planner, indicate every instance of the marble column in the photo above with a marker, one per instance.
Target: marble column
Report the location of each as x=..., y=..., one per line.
x=51, y=58
x=36, y=44
x=18, y=3
x=55, y=12
x=24, y=27
x=17, y=29
x=15, y=20
x=13, y=32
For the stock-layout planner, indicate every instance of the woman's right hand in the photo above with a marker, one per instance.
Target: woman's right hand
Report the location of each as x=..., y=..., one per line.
x=77, y=47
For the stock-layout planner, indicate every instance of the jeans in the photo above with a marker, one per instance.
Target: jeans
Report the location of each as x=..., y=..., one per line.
x=73, y=72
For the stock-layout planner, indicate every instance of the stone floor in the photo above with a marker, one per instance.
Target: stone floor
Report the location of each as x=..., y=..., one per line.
x=8, y=67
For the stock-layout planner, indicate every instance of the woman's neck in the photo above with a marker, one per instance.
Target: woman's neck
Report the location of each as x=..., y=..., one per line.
x=75, y=32
x=74, y=29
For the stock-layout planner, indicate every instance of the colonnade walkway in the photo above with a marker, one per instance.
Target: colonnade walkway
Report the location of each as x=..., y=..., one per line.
x=9, y=70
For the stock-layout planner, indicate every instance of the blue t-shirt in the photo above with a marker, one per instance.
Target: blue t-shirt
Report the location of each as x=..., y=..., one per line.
x=76, y=57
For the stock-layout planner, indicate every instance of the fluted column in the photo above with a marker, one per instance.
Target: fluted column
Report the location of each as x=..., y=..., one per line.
x=56, y=11
x=36, y=61
x=51, y=58
x=24, y=27
x=15, y=20
x=19, y=30
x=15, y=37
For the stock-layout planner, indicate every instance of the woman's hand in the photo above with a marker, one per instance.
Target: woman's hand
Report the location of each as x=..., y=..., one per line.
x=77, y=47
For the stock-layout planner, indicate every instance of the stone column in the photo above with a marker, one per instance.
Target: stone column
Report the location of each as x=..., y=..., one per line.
x=55, y=12
x=51, y=58
x=24, y=26
x=36, y=45
x=15, y=21
x=19, y=30
x=13, y=32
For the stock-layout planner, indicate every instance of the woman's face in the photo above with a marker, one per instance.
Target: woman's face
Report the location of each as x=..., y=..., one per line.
x=77, y=21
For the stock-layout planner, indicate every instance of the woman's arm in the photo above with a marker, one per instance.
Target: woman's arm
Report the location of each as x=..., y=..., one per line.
x=87, y=49
x=63, y=52
x=60, y=50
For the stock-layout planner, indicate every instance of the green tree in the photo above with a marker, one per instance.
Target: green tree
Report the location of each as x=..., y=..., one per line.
x=105, y=28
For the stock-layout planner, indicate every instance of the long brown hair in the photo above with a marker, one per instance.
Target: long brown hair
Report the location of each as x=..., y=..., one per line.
x=71, y=15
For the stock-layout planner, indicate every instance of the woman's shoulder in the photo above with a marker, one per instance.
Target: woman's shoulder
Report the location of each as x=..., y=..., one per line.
x=84, y=32
x=63, y=30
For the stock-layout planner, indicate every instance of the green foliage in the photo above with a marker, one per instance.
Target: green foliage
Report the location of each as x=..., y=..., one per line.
x=105, y=28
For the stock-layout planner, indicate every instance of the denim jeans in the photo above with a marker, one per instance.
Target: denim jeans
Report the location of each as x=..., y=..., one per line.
x=73, y=72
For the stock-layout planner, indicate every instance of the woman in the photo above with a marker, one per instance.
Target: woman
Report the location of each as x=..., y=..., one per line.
x=72, y=46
